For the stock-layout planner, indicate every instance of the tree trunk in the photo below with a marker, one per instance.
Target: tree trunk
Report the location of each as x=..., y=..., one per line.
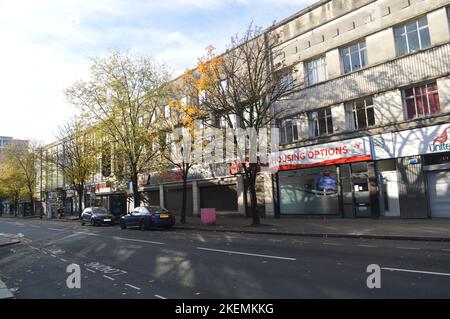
x=252, y=187
x=32, y=204
x=136, y=195
x=184, y=199
x=80, y=192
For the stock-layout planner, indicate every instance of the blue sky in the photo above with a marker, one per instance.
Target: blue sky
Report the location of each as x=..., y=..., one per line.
x=47, y=44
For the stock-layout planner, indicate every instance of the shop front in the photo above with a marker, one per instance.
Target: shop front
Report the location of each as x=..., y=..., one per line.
x=335, y=179
x=419, y=174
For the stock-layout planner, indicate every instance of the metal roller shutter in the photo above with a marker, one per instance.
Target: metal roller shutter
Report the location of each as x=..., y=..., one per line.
x=221, y=197
x=439, y=192
x=173, y=199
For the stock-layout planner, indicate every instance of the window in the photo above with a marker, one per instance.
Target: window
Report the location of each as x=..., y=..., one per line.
x=360, y=114
x=289, y=131
x=412, y=37
x=421, y=101
x=321, y=122
x=287, y=80
x=448, y=16
x=316, y=71
x=354, y=57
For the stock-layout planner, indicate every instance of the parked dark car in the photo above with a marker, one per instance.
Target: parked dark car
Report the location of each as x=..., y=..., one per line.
x=146, y=217
x=96, y=216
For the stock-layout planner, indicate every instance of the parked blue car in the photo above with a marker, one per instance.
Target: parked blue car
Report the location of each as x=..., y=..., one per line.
x=146, y=217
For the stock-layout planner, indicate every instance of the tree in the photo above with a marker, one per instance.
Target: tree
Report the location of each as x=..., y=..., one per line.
x=240, y=88
x=21, y=162
x=121, y=99
x=78, y=162
x=184, y=138
x=12, y=185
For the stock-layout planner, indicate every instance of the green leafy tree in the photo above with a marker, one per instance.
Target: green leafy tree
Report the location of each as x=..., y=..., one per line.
x=78, y=162
x=121, y=98
x=20, y=162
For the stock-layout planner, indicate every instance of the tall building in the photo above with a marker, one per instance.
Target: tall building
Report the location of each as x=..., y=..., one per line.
x=368, y=126
x=364, y=133
x=5, y=141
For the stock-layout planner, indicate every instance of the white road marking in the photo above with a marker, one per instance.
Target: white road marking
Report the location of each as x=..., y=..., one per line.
x=417, y=271
x=408, y=248
x=139, y=241
x=63, y=260
x=55, y=229
x=91, y=270
x=54, y=256
x=246, y=254
x=107, y=277
x=300, y=242
x=134, y=287
x=368, y=246
x=33, y=226
x=84, y=233
x=332, y=244
x=447, y=250
x=35, y=248
x=160, y=297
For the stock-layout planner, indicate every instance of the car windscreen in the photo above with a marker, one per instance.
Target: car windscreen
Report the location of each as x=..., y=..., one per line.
x=99, y=210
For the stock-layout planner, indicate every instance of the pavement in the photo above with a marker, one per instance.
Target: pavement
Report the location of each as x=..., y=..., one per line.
x=5, y=293
x=395, y=229
x=388, y=229
x=6, y=240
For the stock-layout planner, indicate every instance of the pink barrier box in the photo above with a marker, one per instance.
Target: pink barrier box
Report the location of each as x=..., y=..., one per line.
x=208, y=216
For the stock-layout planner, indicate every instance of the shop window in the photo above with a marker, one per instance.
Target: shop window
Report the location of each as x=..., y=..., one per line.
x=354, y=57
x=387, y=165
x=316, y=71
x=436, y=159
x=412, y=37
x=321, y=122
x=309, y=191
x=360, y=114
x=421, y=101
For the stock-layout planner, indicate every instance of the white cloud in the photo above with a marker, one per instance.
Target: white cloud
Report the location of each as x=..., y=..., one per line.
x=46, y=46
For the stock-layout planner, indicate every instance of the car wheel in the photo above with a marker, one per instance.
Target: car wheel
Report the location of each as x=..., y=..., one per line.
x=123, y=226
x=93, y=223
x=82, y=223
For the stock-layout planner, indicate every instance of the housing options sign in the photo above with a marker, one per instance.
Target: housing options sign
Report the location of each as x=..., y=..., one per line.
x=425, y=140
x=348, y=151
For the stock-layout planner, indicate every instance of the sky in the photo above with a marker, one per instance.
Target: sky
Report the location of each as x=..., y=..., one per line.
x=47, y=45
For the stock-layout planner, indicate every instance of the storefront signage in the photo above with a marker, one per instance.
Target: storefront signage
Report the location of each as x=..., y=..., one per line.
x=348, y=151
x=422, y=141
x=196, y=172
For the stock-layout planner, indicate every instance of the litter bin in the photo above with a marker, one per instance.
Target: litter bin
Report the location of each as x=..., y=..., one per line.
x=208, y=216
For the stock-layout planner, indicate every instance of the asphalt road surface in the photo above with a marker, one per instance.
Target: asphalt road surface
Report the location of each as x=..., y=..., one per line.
x=185, y=264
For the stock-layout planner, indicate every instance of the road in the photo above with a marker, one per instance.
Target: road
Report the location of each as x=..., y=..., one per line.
x=185, y=264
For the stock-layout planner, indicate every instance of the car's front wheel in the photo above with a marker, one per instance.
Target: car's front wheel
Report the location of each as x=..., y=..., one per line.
x=123, y=225
x=82, y=223
x=93, y=223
